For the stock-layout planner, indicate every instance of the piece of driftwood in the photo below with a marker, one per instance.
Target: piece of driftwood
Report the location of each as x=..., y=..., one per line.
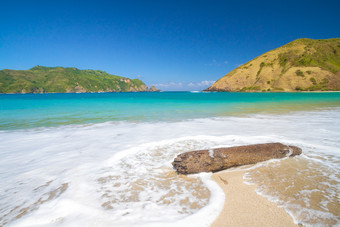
x=223, y=158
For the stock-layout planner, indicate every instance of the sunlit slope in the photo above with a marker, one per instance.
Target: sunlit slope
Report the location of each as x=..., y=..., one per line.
x=301, y=65
x=41, y=79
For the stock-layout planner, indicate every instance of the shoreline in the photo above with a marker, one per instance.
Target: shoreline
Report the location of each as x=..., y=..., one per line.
x=99, y=92
x=244, y=207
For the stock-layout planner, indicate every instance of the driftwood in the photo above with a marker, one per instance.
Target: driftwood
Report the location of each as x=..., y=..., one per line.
x=223, y=158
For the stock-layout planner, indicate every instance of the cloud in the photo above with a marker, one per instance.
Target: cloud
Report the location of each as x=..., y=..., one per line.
x=169, y=84
x=179, y=86
x=204, y=83
x=215, y=63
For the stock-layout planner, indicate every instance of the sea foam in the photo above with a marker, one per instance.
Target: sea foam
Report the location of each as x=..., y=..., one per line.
x=120, y=173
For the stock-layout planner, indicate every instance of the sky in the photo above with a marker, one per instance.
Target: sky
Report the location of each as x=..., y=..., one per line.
x=174, y=45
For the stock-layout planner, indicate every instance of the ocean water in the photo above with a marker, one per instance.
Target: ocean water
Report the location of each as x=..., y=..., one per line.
x=105, y=159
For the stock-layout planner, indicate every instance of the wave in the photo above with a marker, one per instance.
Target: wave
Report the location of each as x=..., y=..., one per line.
x=120, y=173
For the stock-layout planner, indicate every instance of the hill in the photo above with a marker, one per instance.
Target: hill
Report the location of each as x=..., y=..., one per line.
x=301, y=65
x=40, y=79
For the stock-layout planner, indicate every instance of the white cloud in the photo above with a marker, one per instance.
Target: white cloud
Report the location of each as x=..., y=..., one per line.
x=215, y=63
x=179, y=86
x=169, y=84
x=204, y=83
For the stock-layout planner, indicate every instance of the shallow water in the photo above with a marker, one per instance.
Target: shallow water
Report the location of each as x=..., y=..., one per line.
x=109, y=169
x=306, y=188
x=22, y=111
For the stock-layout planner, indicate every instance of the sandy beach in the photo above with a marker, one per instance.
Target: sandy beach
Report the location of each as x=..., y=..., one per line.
x=117, y=162
x=244, y=207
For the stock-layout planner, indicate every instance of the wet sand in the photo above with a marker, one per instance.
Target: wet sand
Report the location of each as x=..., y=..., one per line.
x=244, y=207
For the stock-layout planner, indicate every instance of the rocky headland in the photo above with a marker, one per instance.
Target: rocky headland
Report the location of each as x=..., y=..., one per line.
x=40, y=79
x=301, y=65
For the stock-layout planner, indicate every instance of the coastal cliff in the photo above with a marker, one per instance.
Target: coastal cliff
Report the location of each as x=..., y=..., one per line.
x=301, y=65
x=40, y=79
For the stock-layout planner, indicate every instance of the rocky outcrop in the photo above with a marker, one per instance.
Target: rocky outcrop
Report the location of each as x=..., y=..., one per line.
x=223, y=158
x=79, y=89
x=125, y=80
x=142, y=87
x=153, y=89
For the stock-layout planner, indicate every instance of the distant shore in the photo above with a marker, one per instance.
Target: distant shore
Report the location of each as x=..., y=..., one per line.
x=244, y=207
x=90, y=92
x=169, y=91
x=271, y=91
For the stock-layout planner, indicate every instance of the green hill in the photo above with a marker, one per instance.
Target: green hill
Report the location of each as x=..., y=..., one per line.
x=301, y=65
x=40, y=79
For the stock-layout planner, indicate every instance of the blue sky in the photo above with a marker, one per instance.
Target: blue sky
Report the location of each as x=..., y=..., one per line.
x=175, y=45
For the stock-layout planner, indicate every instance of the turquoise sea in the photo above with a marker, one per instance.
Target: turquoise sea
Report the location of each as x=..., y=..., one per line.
x=20, y=111
x=104, y=159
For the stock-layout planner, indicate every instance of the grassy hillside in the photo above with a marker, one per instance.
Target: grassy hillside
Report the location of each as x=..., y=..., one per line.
x=301, y=65
x=41, y=79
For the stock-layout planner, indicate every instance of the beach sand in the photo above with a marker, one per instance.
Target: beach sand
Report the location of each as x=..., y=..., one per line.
x=244, y=207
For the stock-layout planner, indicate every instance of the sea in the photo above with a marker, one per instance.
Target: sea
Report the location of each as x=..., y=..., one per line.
x=104, y=159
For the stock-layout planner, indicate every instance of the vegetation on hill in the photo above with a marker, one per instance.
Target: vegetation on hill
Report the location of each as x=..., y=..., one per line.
x=301, y=65
x=40, y=79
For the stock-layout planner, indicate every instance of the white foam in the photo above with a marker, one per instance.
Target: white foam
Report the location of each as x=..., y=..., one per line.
x=211, y=153
x=80, y=155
